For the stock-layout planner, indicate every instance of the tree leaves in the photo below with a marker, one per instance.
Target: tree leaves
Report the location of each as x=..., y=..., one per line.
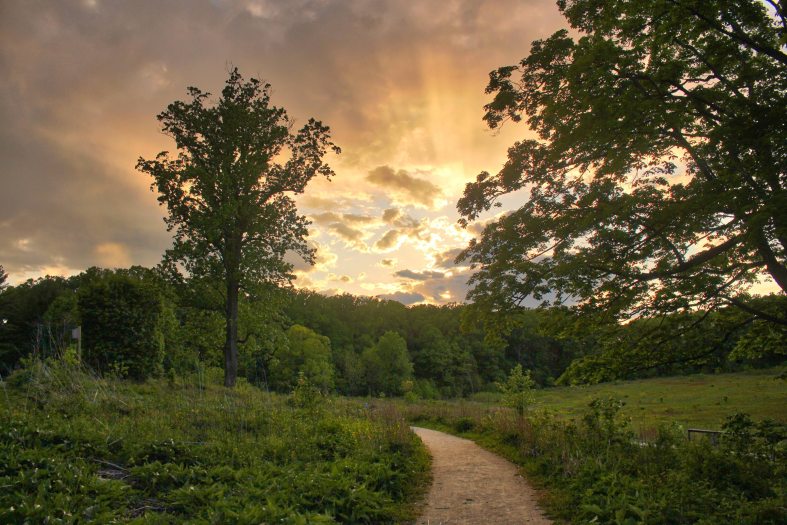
x=659, y=175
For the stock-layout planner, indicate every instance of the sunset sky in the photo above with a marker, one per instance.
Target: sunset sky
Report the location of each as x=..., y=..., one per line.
x=400, y=83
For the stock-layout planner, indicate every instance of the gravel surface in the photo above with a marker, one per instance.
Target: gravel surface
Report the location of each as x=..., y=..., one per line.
x=472, y=485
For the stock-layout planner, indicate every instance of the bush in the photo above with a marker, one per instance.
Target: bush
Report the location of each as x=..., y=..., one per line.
x=517, y=390
x=122, y=321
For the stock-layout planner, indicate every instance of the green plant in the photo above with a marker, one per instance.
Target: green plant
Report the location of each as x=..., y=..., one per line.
x=122, y=326
x=595, y=469
x=80, y=448
x=517, y=390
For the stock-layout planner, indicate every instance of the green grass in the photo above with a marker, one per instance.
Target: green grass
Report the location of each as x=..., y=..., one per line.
x=74, y=448
x=695, y=401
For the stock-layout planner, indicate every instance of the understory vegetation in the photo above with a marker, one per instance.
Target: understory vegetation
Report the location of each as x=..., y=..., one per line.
x=596, y=469
x=75, y=448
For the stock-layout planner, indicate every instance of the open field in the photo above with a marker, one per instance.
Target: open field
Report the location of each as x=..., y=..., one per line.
x=693, y=401
x=701, y=400
x=595, y=467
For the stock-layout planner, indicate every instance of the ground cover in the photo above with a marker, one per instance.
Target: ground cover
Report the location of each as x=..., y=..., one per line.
x=74, y=448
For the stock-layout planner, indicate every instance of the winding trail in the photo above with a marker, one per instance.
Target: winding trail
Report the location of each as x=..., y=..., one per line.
x=473, y=486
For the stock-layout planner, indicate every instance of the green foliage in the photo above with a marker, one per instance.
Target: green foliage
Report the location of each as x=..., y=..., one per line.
x=306, y=355
x=122, y=321
x=517, y=390
x=656, y=182
x=228, y=194
x=763, y=341
x=24, y=307
x=387, y=364
x=305, y=394
x=74, y=448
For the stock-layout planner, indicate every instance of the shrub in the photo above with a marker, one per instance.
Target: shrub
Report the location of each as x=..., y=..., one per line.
x=122, y=326
x=517, y=390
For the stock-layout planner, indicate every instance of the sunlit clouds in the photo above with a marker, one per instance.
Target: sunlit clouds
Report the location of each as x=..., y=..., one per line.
x=399, y=83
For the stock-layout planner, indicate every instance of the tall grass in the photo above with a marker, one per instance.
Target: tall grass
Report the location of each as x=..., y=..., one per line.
x=78, y=448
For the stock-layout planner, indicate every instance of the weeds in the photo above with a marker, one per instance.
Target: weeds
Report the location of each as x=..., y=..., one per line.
x=75, y=448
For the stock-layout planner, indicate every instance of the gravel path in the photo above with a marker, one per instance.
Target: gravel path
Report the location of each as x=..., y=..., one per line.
x=473, y=486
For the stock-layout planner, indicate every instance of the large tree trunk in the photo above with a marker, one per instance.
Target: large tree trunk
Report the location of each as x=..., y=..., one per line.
x=231, y=344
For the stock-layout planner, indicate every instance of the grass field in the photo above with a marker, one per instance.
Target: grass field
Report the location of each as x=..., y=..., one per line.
x=693, y=401
x=594, y=467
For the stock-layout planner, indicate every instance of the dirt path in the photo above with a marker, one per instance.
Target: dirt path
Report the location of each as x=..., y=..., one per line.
x=474, y=486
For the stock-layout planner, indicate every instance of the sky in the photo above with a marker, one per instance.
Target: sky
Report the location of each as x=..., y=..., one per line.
x=400, y=83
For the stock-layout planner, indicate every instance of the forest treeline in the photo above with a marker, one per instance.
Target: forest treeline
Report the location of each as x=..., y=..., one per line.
x=141, y=322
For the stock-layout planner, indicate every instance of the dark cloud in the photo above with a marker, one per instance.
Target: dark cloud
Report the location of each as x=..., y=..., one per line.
x=320, y=203
x=346, y=232
x=387, y=262
x=405, y=298
x=391, y=214
x=358, y=219
x=327, y=217
x=415, y=189
x=447, y=259
x=388, y=241
x=419, y=276
x=330, y=217
x=444, y=289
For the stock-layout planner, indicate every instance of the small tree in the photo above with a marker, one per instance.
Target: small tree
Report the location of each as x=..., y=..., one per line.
x=228, y=193
x=122, y=326
x=518, y=390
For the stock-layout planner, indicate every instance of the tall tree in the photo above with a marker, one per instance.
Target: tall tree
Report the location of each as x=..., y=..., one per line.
x=3, y=277
x=229, y=191
x=658, y=179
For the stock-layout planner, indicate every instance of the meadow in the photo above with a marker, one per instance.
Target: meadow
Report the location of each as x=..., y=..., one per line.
x=698, y=400
x=701, y=401
x=78, y=449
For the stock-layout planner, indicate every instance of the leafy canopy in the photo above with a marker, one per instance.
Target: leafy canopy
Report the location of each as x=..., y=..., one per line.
x=307, y=354
x=657, y=179
x=228, y=192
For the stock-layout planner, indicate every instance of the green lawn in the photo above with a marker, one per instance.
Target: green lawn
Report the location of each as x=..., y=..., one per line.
x=695, y=401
